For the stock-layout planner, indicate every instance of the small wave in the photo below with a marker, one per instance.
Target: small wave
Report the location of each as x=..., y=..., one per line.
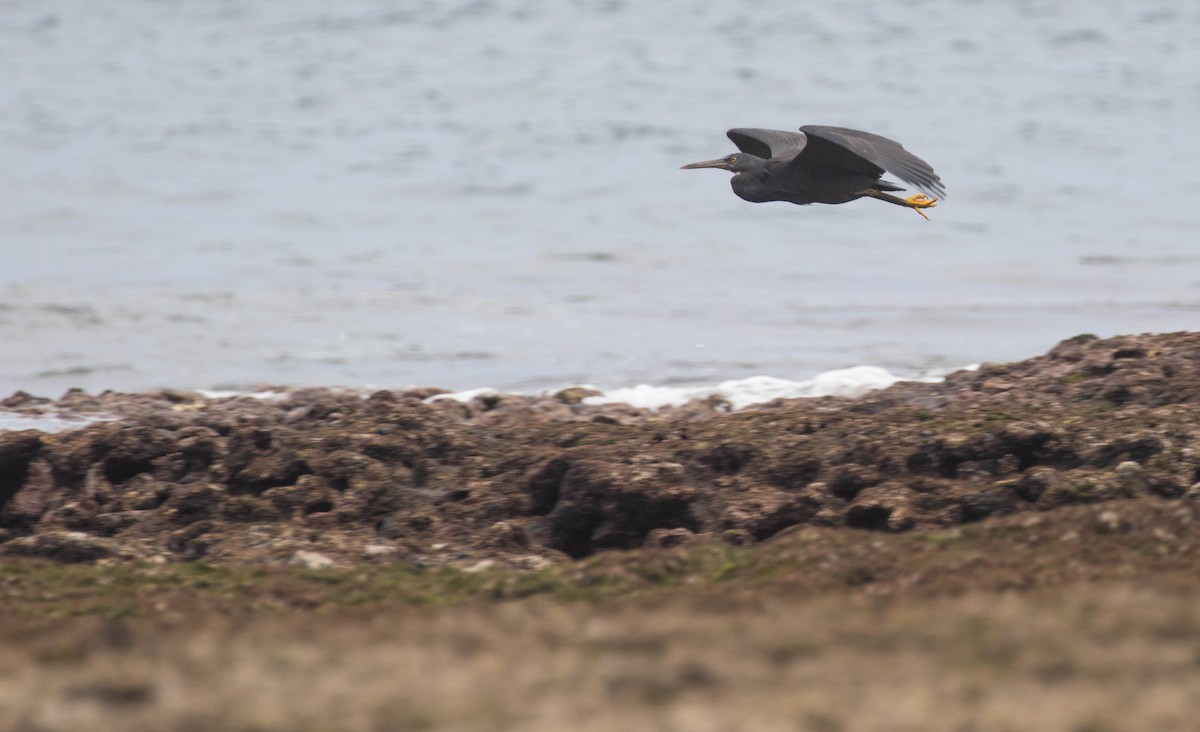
x=464, y=396
x=266, y=395
x=16, y=422
x=739, y=393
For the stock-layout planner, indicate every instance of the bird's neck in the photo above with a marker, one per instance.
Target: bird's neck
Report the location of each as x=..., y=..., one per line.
x=747, y=184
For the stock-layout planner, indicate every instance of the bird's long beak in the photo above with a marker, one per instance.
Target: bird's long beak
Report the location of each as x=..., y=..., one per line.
x=718, y=163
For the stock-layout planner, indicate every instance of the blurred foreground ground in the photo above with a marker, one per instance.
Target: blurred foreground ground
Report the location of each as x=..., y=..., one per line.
x=1085, y=620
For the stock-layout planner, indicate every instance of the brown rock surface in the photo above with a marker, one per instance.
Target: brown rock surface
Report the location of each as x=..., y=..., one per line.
x=242, y=479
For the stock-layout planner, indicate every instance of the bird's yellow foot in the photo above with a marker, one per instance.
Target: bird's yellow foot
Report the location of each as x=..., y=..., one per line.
x=919, y=202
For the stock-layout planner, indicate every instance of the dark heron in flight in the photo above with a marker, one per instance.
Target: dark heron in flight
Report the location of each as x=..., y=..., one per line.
x=822, y=164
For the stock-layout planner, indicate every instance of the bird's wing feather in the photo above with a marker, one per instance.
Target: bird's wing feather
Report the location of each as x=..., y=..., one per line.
x=868, y=153
x=766, y=143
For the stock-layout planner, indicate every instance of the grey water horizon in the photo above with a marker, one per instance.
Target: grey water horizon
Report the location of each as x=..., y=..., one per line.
x=210, y=195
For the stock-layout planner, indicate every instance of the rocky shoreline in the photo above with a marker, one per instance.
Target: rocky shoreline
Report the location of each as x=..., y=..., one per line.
x=319, y=477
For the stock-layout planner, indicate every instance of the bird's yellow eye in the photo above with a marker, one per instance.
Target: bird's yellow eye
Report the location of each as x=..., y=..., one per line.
x=733, y=159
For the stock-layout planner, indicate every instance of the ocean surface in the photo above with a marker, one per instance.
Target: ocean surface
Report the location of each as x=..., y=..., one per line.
x=218, y=194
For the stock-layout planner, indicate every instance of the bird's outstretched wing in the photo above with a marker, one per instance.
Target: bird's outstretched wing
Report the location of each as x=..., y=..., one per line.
x=867, y=153
x=766, y=143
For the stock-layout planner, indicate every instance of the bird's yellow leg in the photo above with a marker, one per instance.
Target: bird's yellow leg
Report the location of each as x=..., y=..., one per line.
x=919, y=202
x=916, y=203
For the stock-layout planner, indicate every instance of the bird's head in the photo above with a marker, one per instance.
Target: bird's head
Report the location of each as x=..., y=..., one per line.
x=736, y=163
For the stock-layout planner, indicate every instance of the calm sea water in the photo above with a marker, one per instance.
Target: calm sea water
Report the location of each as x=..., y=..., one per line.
x=209, y=194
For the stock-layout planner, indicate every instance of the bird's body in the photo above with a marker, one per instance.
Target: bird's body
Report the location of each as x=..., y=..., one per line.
x=822, y=164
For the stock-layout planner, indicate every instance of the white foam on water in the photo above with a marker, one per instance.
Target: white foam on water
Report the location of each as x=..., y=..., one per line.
x=15, y=422
x=739, y=393
x=268, y=395
x=464, y=396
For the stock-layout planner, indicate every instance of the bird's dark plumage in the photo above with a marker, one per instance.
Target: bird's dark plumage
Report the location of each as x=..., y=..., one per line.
x=821, y=164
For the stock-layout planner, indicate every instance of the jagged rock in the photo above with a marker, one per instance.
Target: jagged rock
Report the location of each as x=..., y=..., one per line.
x=241, y=479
